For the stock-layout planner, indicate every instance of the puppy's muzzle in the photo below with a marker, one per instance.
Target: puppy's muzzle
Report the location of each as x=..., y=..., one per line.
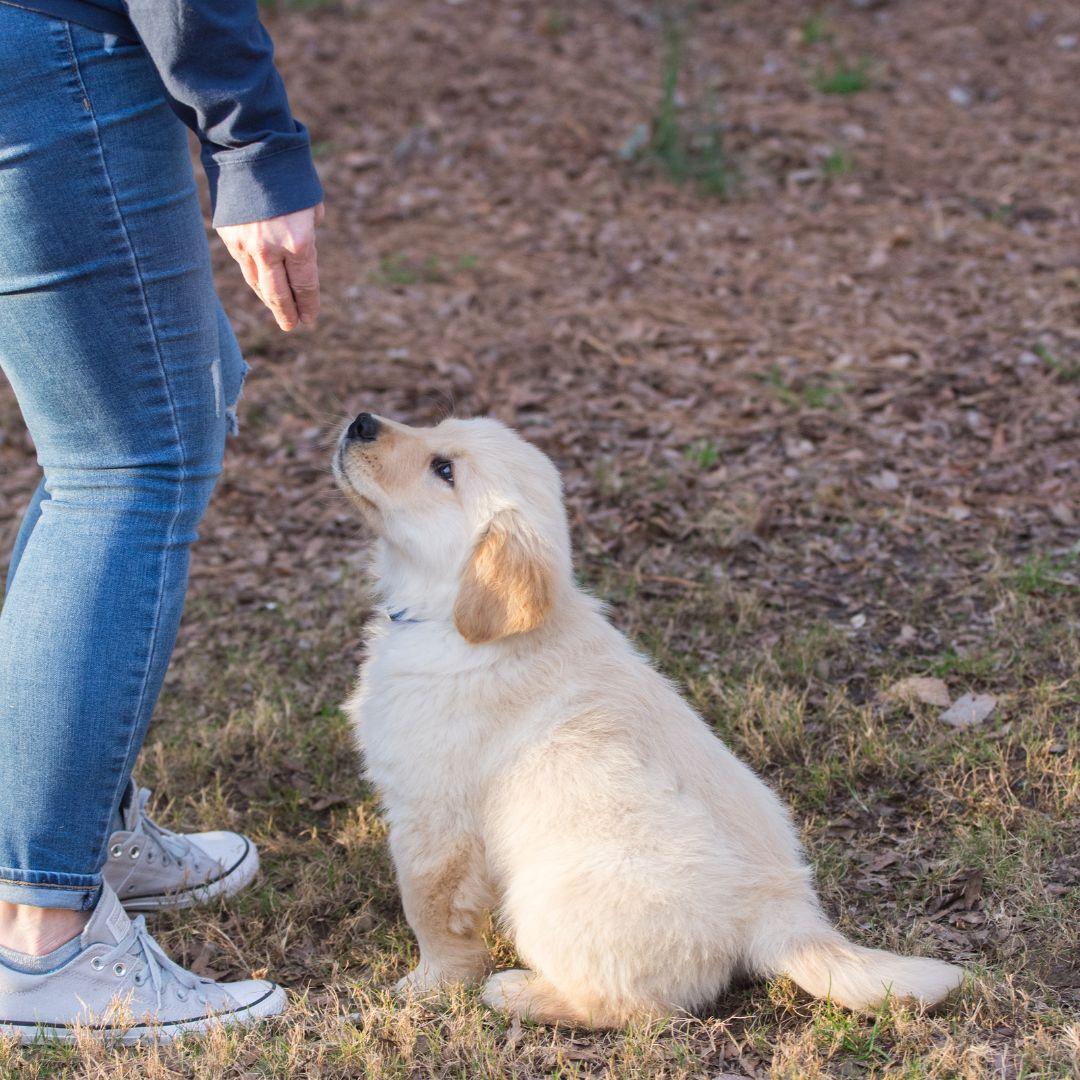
x=365, y=428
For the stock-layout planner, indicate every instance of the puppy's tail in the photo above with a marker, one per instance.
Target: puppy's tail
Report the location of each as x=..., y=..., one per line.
x=825, y=964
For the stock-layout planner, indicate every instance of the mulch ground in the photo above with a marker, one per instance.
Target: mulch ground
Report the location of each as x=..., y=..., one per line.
x=825, y=384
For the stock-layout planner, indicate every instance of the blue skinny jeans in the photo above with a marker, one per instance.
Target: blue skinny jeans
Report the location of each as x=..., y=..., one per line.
x=126, y=372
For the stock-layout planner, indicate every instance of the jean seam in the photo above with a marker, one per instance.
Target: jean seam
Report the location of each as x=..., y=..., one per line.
x=44, y=884
x=172, y=415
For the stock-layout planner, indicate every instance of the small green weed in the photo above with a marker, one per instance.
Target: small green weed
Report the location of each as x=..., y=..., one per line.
x=1043, y=575
x=812, y=395
x=837, y=164
x=981, y=665
x=399, y=268
x=843, y=77
x=815, y=30
x=1068, y=371
x=702, y=453
x=837, y=1029
x=689, y=149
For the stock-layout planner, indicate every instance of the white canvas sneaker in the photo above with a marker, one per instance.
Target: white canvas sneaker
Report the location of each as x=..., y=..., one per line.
x=123, y=988
x=151, y=868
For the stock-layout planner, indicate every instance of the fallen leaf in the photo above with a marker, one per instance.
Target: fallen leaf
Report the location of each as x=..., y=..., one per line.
x=965, y=893
x=202, y=963
x=920, y=688
x=972, y=889
x=969, y=710
x=886, y=858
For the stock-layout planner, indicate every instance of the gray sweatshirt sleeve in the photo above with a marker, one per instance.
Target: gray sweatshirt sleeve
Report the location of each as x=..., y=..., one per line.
x=217, y=63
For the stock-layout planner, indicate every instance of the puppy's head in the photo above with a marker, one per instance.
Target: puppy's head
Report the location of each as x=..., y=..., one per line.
x=470, y=520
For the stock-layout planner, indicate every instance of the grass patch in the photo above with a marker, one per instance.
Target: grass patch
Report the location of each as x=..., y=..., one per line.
x=800, y=394
x=1046, y=575
x=837, y=1030
x=843, y=77
x=400, y=269
x=703, y=453
x=325, y=919
x=687, y=143
x=977, y=665
x=1067, y=371
x=837, y=164
x=815, y=29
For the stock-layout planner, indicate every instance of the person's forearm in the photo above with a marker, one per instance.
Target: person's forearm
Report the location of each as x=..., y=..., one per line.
x=216, y=62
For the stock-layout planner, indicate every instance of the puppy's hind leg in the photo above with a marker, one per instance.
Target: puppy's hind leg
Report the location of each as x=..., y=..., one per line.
x=529, y=995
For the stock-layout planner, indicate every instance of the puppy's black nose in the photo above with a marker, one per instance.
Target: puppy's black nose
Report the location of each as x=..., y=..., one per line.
x=365, y=428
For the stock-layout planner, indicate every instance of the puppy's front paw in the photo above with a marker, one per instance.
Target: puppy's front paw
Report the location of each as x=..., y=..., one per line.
x=423, y=979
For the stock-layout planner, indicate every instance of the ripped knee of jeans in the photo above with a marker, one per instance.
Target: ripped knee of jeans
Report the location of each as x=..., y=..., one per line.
x=232, y=421
x=231, y=368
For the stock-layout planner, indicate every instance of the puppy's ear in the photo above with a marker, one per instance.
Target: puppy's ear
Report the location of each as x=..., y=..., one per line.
x=508, y=584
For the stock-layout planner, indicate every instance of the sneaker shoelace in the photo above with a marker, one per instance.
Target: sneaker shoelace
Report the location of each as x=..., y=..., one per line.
x=168, y=842
x=155, y=966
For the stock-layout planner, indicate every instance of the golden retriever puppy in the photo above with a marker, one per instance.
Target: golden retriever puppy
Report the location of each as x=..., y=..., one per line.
x=533, y=763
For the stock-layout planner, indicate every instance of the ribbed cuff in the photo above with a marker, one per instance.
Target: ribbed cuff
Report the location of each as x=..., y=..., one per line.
x=258, y=188
x=76, y=892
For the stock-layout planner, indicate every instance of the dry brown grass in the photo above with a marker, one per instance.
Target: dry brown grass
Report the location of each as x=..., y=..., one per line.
x=897, y=810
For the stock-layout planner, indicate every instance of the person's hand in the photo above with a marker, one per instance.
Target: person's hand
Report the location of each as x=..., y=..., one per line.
x=278, y=261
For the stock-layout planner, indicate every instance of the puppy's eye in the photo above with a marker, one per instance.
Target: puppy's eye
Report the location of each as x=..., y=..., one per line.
x=444, y=470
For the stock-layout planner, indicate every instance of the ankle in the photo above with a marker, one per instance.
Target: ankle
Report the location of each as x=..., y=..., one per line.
x=37, y=931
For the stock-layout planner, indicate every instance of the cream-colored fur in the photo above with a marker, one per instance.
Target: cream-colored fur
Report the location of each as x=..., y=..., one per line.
x=532, y=762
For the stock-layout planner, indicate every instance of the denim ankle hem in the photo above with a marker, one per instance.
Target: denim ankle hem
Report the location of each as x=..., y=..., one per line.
x=76, y=892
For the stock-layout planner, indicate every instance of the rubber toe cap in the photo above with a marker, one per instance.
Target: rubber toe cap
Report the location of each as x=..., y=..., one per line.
x=261, y=997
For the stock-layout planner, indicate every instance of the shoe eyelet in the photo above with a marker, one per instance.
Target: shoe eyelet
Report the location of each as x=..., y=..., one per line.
x=116, y=851
x=149, y=856
x=181, y=994
x=97, y=963
x=139, y=979
x=119, y=970
x=134, y=852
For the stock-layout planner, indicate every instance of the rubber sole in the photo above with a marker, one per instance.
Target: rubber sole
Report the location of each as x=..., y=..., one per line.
x=272, y=1003
x=237, y=877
